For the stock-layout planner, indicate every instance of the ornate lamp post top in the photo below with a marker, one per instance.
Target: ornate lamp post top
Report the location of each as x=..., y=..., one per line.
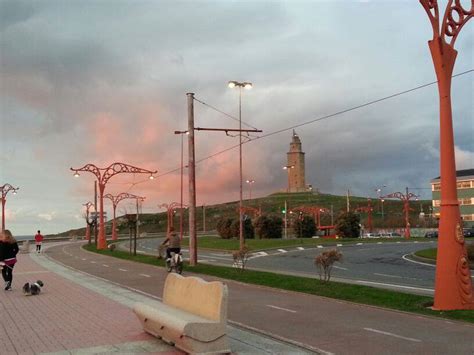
x=7, y=188
x=104, y=174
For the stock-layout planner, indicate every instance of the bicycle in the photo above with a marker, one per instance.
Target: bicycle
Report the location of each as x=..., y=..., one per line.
x=176, y=263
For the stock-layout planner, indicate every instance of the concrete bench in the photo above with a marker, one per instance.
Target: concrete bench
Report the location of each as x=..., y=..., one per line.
x=192, y=316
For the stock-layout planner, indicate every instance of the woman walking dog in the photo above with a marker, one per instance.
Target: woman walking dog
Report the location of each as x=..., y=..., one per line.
x=8, y=251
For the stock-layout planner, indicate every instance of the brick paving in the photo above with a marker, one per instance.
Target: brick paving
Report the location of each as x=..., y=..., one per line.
x=65, y=317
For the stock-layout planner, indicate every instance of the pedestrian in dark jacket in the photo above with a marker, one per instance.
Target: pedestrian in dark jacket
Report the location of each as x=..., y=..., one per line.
x=8, y=251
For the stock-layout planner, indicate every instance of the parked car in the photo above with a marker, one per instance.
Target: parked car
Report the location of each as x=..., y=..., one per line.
x=392, y=235
x=468, y=232
x=431, y=234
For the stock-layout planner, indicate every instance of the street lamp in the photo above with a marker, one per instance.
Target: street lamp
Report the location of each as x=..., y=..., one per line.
x=115, y=201
x=406, y=207
x=287, y=168
x=5, y=190
x=246, y=85
x=103, y=176
x=250, y=182
x=181, y=195
x=379, y=195
x=88, y=205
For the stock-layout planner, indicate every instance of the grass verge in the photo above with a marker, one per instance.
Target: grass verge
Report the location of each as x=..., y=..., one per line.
x=262, y=244
x=353, y=293
x=427, y=253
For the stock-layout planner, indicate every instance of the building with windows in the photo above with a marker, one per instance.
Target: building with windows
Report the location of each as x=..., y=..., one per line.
x=465, y=190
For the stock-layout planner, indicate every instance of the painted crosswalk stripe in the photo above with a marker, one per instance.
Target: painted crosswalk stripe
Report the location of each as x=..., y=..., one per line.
x=300, y=248
x=145, y=275
x=122, y=270
x=282, y=251
x=320, y=246
x=105, y=265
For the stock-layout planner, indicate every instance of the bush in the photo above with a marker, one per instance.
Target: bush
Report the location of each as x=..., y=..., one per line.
x=347, y=225
x=325, y=261
x=223, y=228
x=267, y=227
x=241, y=257
x=248, y=229
x=304, y=228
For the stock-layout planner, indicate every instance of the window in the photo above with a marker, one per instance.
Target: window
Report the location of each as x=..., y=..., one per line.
x=465, y=201
x=467, y=217
x=436, y=203
x=464, y=184
x=436, y=187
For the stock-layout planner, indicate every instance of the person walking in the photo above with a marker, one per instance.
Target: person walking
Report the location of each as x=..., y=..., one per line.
x=8, y=251
x=39, y=240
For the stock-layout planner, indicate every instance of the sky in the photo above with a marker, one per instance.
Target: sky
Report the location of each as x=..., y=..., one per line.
x=106, y=81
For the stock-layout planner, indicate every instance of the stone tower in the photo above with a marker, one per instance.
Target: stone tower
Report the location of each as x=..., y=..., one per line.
x=295, y=159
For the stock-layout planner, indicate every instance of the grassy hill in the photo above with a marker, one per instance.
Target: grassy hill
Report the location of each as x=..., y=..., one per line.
x=274, y=204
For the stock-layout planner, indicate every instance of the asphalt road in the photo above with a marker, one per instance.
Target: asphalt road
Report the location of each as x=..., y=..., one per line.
x=384, y=265
x=324, y=325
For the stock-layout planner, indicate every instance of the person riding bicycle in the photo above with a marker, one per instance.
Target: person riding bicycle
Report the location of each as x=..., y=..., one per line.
x=174, y=243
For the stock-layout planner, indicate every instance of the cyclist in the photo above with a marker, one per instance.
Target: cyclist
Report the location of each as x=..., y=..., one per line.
x=174, y=243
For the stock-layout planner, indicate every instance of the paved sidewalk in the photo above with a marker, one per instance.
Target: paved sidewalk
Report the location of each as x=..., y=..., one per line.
x=80, y=314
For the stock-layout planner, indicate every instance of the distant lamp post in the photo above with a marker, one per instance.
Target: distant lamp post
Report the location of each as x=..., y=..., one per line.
x=406, y=207
x=367, y=209
x=88, y=205
x=103, y=175
x=288, y=168
x=246, y=85
x=453, y=284
x=250, y=183
x=5, y=190
x=379, y=192
x=181, y=133
x=115, y=201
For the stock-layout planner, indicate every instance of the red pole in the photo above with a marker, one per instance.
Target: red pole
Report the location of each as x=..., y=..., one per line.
x=114, y=226
x=453, y=284
x=102, y=242
x=181, y=202
x=3, y=213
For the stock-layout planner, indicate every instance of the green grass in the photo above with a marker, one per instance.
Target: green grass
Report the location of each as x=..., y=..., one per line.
x=427, y=253
x=262, y=244
x=353, y=293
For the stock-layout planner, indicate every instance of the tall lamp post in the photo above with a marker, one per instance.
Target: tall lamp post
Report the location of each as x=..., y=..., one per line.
x=250, y=183
x=406, y=207
x=115, y=201
x=5, y=190
x=103, y=175
x=88, y=205
x=246, y=85
x=379, y=192
x=181, y=133
x=368, y=209
x=453, y=284
x=287, y=168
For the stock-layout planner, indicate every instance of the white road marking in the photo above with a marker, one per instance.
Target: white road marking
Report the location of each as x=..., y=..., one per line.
x=339, y=245
x=145, y=275
x=224, y=255
x=416, y=241
x=282, y=309
x=339, y=267
x=396, y=286
x=379, y=242
x=105, y=265
x=398, y=277
x=300, y=248
x=122, y=270
x=320, y=246
x=360, y=244
x=93, y=262
x=398, y=242
x=392, y=335
x=282, y=251
x=404, y=257
x=262, y=253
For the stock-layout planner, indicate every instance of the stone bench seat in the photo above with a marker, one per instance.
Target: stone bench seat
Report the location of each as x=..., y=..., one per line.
x=192, y=316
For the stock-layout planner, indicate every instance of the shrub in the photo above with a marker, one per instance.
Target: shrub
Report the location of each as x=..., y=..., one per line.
x=267, y=227
x=305, y=227
x=240, y=257
x=223, y=227
x=347, y=225
x=325, y=261
x=248, y=229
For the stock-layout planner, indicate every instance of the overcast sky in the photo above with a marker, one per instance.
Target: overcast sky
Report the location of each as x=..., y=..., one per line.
x=105, y=81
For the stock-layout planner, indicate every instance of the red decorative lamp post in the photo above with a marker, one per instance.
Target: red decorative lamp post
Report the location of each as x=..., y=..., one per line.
x=115, y=201
x=5, y=190
x=453, y=284
x=406, y=207
x=103, y=176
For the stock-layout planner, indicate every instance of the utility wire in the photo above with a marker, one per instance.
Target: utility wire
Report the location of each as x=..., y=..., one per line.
x=224, y=113
x=315, y=120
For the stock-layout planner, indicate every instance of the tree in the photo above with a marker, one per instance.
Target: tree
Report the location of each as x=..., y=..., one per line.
x=223, y=227
x=267, y=227
x=304, y=227
x=325, y=261
x=347, y=225
x=248, y=229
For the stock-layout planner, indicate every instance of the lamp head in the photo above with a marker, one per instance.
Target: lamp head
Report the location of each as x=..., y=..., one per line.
x=247, y=86
x=76, y=174
x=232, y=84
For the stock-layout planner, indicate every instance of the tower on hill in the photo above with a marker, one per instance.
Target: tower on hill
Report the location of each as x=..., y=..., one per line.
x=295, y=166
